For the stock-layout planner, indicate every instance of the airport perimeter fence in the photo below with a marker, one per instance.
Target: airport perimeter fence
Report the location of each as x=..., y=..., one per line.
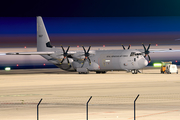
x=148, y=106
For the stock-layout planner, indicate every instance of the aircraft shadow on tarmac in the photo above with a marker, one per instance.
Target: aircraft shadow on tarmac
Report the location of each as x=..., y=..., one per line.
x=35, y=71
x=59, y=71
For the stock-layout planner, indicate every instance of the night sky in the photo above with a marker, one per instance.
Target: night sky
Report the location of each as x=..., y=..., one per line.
x=21, y=31
x=94, y=22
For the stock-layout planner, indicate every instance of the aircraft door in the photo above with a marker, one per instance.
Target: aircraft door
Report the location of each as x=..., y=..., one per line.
x=105, y=62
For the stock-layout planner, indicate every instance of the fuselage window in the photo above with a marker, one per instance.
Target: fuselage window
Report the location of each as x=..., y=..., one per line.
x=134, y=59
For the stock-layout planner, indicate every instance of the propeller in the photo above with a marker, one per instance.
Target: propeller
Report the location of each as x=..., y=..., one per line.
x=146, y=51
x=86, y=54
x=65, y=54
x=125, y=48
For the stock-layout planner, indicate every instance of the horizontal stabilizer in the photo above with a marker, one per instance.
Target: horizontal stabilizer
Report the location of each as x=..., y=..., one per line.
x=30, y=53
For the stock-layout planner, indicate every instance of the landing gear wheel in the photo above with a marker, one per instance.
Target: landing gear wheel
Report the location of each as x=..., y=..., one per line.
x=83, y=72
x=98, y=72
x=134, y=71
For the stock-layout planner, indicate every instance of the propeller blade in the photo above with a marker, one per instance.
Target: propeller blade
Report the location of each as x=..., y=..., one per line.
x=62, y=61
x=123, y=46
x=83, y=62
x=88, y=49
x=86, y=54
x=67, y=49
x=144, y=47
x=63, y=49
x=65, y=54
x=68, y=61
x=146, y=51
x=129, y=46
x=89, y=60
x=84, y=49
x=149, y=58
x=148, y=47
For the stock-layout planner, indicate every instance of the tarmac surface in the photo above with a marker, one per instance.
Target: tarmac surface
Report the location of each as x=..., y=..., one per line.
x=65, y=95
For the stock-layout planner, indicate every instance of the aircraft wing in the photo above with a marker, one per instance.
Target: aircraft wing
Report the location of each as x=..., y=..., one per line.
x=162, y=50
x=159, y=50
x=30, y=53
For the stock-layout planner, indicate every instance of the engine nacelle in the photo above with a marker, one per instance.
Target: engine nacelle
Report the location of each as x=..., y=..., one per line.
x=91, y=67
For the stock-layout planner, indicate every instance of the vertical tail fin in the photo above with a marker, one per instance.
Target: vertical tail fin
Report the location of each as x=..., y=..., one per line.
x=43, y=42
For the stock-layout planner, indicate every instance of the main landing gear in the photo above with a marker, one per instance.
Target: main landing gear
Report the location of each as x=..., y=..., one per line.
x=98, y=72
x=83, y=72
x=135, y=71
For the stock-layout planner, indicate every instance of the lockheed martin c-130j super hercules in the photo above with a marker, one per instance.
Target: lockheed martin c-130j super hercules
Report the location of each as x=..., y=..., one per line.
x=84, y=61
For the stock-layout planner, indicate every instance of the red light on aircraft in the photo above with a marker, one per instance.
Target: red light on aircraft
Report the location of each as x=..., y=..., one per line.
x=156, y=44
x=17, y=65
x=176, y=61
x=149, y=61
x=103, y=45
x=77, y=45
x=24, y=46
x=44, y=64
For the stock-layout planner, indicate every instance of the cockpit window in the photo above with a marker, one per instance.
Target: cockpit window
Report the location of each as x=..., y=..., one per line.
x=132, y=54
x=138, y=54
x=135, y=54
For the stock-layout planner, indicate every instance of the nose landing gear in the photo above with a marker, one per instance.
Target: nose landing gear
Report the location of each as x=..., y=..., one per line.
x=135, y=71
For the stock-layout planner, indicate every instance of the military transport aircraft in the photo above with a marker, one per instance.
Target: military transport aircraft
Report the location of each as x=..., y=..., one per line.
x=84, y=61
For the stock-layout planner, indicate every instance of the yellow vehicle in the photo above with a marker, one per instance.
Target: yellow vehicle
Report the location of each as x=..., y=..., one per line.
x=168, y=67
x=163, y=66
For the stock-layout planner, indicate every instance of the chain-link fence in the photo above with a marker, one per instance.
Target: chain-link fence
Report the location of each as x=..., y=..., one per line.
x=148, y=107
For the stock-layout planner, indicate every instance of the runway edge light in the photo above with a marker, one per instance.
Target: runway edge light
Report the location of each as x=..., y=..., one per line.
x=157, y=64
x=7, y=68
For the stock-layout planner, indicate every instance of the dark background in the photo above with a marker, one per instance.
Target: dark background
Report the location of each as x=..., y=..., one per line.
x=89, y=8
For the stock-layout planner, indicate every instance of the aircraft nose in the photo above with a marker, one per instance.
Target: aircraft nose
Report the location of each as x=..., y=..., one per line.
x=142, y=62
x=145, y=62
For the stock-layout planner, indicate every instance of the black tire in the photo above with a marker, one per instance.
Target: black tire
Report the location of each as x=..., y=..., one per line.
x=103, y=72
x=98, y=72
x=134, y=71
